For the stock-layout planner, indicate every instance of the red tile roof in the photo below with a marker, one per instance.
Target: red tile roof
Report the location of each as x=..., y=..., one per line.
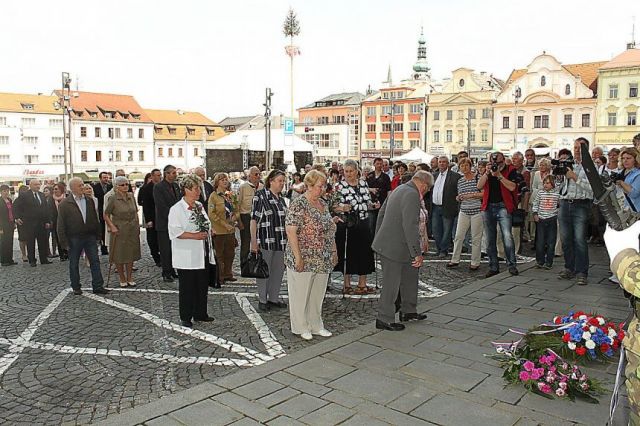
x=628, y=58
x=124, y=107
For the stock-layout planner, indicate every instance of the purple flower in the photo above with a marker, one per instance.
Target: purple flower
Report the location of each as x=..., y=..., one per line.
x=524, y=376
x=528, y=365
x=537, y=373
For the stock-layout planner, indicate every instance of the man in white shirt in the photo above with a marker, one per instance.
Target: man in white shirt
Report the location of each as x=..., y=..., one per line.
x=386, y=168
x=444, y=206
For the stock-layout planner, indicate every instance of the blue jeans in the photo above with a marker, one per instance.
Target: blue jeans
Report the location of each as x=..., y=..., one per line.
x=496, y=214
x=574, y=222
x=89, y=245
x=546, y=235
x=442, y=228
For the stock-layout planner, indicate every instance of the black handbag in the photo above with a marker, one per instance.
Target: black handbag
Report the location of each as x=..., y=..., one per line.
x=517, y=217
x=255, y=266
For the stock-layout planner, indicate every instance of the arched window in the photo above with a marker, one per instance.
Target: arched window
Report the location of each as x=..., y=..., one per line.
x=543, y=80
x=461, y=82
x=567, y=89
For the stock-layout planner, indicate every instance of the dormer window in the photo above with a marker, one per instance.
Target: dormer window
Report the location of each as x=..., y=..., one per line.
x=108, y=114
x=93, y=114
x=136, y=116
x=210, y=132
x=158, y=130
x=27, y=106
x=172, y=130
x=125, y=116
x=543, y=81
x=191, y=131
x=79, y=113
x=567, y=89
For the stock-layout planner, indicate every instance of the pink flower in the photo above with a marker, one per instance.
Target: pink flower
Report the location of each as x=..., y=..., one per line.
x=550, y=378
x=524, y=376
x=563, y=385
x=565, y=365
x=528, y=365
x=584, y=386
x=544, y=388
x=583, y=378
x=552, y=368
x=560, y=392
x=551, y=358
x=537, y=373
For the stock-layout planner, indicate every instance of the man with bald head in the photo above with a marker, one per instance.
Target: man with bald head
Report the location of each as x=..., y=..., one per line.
x=245, y=198
x=32, y=213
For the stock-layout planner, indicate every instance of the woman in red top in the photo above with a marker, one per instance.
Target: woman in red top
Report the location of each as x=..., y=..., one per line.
x=397, y=177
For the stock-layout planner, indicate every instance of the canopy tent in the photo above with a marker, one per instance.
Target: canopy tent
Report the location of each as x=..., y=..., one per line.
x=416, y=154
x=255, y=141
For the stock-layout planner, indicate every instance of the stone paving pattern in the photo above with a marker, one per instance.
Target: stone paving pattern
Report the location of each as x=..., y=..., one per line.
x=434, y=372
x=49, y=387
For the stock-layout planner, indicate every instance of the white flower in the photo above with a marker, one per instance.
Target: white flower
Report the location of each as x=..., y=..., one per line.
x=612, y=333
x=586, y=335
x=592, y=329
x=571, y=346
x=610, y=340
x=560, y=392
x=600, y=320
x=590, y=344
x=582, y=317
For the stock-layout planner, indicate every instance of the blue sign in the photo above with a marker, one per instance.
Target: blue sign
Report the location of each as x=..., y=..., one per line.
x=288, y=126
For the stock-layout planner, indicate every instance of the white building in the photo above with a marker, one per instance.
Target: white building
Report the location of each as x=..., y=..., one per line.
x=105, y=123
x=546, y=105
x=31, y=138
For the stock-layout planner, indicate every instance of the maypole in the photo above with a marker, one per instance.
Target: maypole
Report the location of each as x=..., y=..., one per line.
x=291, y=28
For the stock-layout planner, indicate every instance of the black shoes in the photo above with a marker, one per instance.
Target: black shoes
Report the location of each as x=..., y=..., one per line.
x=491, y=273
x=393, y=326
x=167, y=279
x=187, y=324
x=205, y=319
x=33, y=264
x=215, y=285
x=277, y=305
x=101, y=291
x=514, y=271
x=77, y=292
x=9, y=263
x=104, y=250
x=412, y=317
x=263, y=307
x=46, y=263
x=159, y=264
x=174, y=275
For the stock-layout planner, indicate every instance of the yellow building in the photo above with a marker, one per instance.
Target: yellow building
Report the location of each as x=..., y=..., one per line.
x=460, y=114
x=618, y=102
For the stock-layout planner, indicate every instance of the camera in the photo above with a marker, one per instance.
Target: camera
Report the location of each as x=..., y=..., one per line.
x=494, y=162
x=615, y=176
x=561, y=167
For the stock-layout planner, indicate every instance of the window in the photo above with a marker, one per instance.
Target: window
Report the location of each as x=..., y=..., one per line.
x=3, y=121
x=472, y=113
x=55, y=122
x=4, y=159
x=4, y=140
x=323, y=120
x=27, y=106
x=631, y=119
x=30, y=159
x=93, y=114
x=586, y=120
x=28, y=122
x=108, y=114
x=611, y=119
x=520, y=122
x=338, y=119
x=613, y=91
x=140, y=155
x=414, y=126
x=191, y=131
x=472, y=135
x=505, y=122
x=195, y=152
x=461, y=82
x=484, y=135
x=371, y=111
x=436, y=135
x=398, y=127
x=58, y=159
x=129, y=133
x=449, y=135
x=460, y=113
x=460, y=136
x=110, y=132
x=385, y=144
x=371, y=144
x=567, y=89
x=371, y=127
x=158, y=131
x=117, y=133
x=449, y=114
x=541, y=122
x=179, y=152
x=170, y=153
x=568, y=120
x=386, y=127
x=413, y=143
x=386, y=110
x=129, y=155
x=118, y=156
x=486, y=112
x=543, y=81
x=416, y=108
x=98, y=156
x=545, y=121
x=633, y=90
x=30, y=139
x=172, y=130
x=436, y=115
x=83, y=156
x=160, y=152
x=210, y=132
x=83, y=132
x=398, y=109
x=136, y=116
x=57, y=140
x=140, y=133
x=97, y=132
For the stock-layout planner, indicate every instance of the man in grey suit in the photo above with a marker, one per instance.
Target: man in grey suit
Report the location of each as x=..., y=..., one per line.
x=397, y=241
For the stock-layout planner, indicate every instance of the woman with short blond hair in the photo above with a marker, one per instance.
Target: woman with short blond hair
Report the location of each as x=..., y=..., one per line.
x=223, y=218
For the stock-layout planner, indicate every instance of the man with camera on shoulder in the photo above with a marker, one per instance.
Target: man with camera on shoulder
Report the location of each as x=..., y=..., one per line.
x=500, y=186
x=576, y=197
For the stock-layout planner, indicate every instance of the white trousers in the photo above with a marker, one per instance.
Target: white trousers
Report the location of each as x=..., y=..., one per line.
x=477, y=228
x=306, y=294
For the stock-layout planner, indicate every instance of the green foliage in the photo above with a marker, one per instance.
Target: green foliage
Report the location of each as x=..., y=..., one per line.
x=291, y=27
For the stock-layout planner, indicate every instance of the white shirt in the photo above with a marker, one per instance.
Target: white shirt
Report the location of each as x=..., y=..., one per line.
x=438, y=188
x=82, y=205
x=186, y=254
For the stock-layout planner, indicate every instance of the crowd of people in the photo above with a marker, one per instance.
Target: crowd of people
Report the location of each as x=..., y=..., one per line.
x=322, y=220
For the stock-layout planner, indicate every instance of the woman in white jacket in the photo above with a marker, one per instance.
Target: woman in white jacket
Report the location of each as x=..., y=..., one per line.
x=190, y=234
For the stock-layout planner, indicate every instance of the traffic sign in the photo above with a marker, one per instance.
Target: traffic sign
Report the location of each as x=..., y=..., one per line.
x=288, y=126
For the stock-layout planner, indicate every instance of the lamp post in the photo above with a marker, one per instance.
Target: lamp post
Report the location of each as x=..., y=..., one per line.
x=267, y=128
x=517, y=94
x=65, y=100
x=469, y=131
x=392, y=135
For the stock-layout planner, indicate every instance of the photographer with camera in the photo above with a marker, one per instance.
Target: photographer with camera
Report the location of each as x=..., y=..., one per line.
x=498, y=202
x=576, y=197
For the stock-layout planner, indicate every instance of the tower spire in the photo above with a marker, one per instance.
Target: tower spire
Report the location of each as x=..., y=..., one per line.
x=632, y=44
x=389, y=80
x=421, y=67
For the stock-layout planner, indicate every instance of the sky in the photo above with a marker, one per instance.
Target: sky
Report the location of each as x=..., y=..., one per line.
x=217, y=57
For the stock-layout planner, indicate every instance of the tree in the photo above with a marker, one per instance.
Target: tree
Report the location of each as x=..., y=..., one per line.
x=291, y=27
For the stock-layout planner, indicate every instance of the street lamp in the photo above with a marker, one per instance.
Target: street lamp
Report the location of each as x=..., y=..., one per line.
x=517, y=94
x=468, y=118
x=65, y=103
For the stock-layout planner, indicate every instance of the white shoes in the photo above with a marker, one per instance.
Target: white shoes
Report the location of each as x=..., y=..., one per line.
x=306, y=335
x=131, y=283
x=324, y=333
x=614, y=279
x=123, y=284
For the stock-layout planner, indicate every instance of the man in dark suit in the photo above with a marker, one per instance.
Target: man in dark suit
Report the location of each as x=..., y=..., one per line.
x=379, y=186
x=444, y=206
x=7, y=227
x=145, y=199
x=165, y=194
x=397, y=241
x=99, y=190
x=207, y=188
x=33, y=215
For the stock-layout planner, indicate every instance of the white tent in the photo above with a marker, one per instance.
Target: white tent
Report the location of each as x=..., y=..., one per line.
x=255, y=141
x=416, y=154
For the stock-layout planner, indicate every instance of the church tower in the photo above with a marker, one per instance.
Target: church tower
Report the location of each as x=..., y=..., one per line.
x=421, y=68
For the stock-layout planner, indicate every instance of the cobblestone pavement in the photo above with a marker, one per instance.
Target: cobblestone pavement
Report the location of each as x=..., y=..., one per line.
x=79, y=359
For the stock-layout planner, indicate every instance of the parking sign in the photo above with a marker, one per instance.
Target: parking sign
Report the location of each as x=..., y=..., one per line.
x=288, y=126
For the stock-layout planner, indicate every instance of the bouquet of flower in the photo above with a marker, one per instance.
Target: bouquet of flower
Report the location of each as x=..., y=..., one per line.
x=549, y=376
x=198, y=217
x=232, y=198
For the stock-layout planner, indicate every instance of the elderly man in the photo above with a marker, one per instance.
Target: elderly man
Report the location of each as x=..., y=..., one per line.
x=445, y=206
x=165, y=194
x=387, y=169
x=398, y=243
x=100, y=189
x=78, y=231
x=32, y=213
x=245, y=198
